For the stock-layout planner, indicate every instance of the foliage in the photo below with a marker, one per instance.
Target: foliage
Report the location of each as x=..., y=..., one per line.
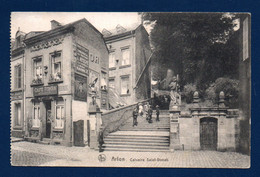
x=200, y=47
x=229, y=86
x=188, y=91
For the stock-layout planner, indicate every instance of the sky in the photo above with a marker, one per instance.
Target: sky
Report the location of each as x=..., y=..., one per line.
x=40, y=21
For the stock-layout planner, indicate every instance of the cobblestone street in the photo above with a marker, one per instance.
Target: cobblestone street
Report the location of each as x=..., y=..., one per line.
x=33, y=154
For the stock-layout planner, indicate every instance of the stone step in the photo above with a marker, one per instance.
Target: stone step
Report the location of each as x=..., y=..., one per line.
x=143, y=129
x=136, y=150
x=140, y=134
x=137, y=138
x=136, y=146
x=156, y=140
x=144, y=143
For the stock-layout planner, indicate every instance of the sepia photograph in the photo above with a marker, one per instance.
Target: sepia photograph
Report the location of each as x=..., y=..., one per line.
x=130, y=89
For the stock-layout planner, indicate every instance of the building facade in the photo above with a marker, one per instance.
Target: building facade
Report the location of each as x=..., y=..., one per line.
x=64, y=67
x=17, y=85
x=129, y=63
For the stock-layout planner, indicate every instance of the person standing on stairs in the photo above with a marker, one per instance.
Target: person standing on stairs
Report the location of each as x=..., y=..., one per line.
x=135, y=114
x=146, y=107
x=140, y=109
x=157, y=113
x=150, y=113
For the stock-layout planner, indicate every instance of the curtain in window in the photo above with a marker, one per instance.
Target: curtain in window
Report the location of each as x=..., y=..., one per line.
x=59, y=119
x=112, y=59
x=38, y=69
x=18, y=114
x=125, y=57
x=125, y=85
x=36, y=118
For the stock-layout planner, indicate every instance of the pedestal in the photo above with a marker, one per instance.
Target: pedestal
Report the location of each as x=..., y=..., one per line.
x=174, y=128
x=95, y=124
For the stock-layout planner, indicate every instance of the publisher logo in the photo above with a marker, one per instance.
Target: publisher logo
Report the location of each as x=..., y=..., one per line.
x=102, y=157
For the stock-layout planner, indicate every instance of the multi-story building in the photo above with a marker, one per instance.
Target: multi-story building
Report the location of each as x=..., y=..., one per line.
x=17, y=86
x=59, y=70
x=129, y=63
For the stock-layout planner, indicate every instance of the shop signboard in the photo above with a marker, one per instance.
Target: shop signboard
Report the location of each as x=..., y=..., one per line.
x=82, y=59
x=45, y=90
x=80, y=88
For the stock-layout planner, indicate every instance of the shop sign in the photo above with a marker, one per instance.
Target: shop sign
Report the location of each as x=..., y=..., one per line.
x=16, y=95
x=80, y=88
x=45, y=90
x=82, y=59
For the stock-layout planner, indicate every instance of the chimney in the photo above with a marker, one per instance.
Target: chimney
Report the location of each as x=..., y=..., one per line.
x=55, y=24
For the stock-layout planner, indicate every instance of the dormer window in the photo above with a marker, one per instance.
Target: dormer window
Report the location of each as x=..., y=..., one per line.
x=120, y=29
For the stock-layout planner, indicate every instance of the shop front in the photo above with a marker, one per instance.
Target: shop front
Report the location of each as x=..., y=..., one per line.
x=48, y=120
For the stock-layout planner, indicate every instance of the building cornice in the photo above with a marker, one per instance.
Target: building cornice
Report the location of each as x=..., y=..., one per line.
x=49, y=34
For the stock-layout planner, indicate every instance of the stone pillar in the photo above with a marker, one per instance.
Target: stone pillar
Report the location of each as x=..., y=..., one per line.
x=196, y=99
x=95, y=124
x=221, y=100
x=174, y=128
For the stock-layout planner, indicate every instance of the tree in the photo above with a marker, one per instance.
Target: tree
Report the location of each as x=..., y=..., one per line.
x=200, y=47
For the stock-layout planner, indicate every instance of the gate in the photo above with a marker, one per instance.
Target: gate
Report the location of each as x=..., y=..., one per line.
x=208, y=133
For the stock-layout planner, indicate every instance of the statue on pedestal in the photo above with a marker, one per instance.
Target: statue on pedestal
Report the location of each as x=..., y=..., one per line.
x=175, y=96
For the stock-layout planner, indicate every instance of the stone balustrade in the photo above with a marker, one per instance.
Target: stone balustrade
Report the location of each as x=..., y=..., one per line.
x=114, y=119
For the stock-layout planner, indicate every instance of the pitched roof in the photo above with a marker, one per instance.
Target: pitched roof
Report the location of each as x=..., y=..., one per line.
x=119, y=30
x=56, y=30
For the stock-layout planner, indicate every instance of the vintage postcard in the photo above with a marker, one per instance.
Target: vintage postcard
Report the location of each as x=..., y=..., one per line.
x=135, y=89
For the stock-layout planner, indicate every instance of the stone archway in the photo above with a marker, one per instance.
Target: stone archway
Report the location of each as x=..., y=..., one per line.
x=208, y=133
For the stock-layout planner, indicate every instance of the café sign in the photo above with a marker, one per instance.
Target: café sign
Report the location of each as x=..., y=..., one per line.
x=45, y=90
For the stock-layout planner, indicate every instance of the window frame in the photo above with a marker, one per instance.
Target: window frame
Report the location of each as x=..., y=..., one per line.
x=127, y=48
x=52, y=75
x=109, y=81
x=61, y=120
x=37, y=80
x=18, y=122
x=109, y=59
x=121, y=79
x=17, y=78
x=36, y=121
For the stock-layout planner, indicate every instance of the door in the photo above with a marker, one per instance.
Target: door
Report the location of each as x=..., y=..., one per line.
x=208, y=133
x=48, y=119
x=78, y=128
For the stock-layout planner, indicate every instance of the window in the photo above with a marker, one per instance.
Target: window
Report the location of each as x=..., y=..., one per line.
x=125, y=85
x=103, y=81
x=36, y=115
x=125, y=57
x=112, y=83
x=112, y=60
x=37, y=68
x=17, y=121
x=59, y=116
x=56, y=67
x=18, y=76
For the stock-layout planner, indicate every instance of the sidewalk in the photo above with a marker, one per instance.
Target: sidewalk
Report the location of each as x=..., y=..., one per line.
x=85, y=157
x=15, y=139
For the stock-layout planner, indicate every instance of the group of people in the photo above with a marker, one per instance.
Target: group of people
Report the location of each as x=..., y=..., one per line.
x=144, y=111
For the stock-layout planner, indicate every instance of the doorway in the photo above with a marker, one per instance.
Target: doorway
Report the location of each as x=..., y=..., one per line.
x=48, y=119
x=208, y=133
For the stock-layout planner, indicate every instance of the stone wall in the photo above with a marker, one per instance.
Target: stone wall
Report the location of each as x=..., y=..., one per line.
x=114, y=119
x=227, y=131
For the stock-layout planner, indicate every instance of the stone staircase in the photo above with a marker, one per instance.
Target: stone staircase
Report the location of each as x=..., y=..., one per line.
x=146, y=137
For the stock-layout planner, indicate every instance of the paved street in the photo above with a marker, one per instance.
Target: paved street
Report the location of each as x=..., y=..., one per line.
x=33, y=154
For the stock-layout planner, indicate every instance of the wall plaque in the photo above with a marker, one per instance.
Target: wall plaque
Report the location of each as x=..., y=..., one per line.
x=45, y=90
x=80, y=88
